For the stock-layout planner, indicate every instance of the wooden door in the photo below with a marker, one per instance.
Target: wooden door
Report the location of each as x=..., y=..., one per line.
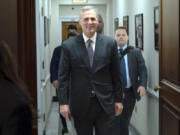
x=169, y=102
x=65, y=27
x=17, y=28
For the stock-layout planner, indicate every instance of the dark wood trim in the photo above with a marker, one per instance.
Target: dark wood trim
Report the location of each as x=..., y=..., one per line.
x=171, y=97
x=27, y=44
x=160, y=41
x=169, y=77
x=27, y=47
x=164, y=104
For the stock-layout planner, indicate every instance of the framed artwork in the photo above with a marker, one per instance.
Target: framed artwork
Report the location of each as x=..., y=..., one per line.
x=45, y=31
x=156, y=28
x=139, y=31
x=126, y=23
x=48, y=30
x=116, y=23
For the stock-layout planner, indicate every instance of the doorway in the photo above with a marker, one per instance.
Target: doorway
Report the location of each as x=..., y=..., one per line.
x=65, y=27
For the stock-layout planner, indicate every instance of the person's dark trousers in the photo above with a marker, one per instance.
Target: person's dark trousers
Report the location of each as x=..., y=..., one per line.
x=63, y=120
x=128, y=107
x=96, y=118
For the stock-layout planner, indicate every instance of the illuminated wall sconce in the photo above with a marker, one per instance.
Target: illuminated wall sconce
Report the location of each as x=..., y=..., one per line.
x=79, y=1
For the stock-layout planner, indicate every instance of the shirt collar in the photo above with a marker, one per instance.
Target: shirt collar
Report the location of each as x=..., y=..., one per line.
x=124, y=47
x=93, y=38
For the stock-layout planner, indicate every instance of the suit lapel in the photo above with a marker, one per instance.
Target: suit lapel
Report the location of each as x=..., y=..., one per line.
x=83, y=54
x=98, y=52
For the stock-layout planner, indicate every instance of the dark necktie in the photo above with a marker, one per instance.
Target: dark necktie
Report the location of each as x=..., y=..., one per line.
x=90, y=52
x=123, y=68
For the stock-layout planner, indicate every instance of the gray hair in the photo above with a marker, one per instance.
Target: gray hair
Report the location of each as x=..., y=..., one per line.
x=87, y=8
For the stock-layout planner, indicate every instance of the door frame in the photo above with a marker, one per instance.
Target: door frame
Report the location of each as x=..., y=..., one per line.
x=40, y=84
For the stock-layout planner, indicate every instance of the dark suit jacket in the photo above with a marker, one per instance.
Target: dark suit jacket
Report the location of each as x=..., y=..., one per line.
x=15, y=113
x=104, y=77
x=137, y=70
x=55, y=64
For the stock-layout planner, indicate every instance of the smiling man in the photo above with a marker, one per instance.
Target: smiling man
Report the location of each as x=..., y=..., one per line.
x=90, y=63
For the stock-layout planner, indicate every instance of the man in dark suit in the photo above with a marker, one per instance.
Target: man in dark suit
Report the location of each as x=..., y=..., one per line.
x=134, y=74
x=91, y=61
x=54, y=73
x=54, y=79
x=72, y=31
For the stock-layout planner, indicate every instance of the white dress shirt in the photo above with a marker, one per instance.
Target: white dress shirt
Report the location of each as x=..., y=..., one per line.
x=93, y=39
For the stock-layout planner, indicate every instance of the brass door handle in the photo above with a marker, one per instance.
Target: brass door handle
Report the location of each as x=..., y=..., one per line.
x=157, y=88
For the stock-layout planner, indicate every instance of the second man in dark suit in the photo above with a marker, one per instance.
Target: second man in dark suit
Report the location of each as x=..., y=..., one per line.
x=134, y=76
x=54, y=71
x=91, y=61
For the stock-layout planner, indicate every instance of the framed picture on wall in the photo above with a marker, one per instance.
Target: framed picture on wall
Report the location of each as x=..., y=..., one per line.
x=48, y=30
x=126, y=23
x=139, y=31
x=156, y=28
x=45, y=30
x=116, y=23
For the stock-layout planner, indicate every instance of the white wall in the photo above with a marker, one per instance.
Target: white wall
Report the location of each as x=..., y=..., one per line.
x=55, y=33
x=145, y=117
x=62, y=8
x=44, y=88
x=68, y=11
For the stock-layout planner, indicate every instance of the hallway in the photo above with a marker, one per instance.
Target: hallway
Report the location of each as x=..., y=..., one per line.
x=33, y=28
x=146, y=111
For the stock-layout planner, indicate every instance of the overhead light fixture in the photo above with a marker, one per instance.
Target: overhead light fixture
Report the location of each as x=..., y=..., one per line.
x=79, y=1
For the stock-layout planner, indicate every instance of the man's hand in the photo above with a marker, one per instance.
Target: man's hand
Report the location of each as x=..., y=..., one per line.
x=141, y=90
x=118, y=108
x=64, y=110
x=55, y=84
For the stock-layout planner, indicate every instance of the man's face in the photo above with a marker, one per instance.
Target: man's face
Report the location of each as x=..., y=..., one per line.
x=88, y=22
x=72, y=30
x=121, y=37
